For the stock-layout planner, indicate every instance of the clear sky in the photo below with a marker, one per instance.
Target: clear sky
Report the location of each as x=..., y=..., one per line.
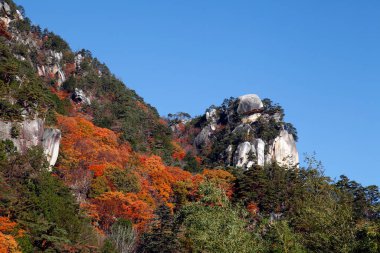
x=319, y=59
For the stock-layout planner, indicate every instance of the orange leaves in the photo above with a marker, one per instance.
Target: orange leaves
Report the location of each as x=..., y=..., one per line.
x=8, y=244
x=7, y=241
x=7, y=226
x=4, y=30
x=126, y=185
x=158, y=177
x=62, y=94
x=113, y=205
x=98, y=169
x=252, y=208
x=142, y=106
x=89, y=146
x=179, y=153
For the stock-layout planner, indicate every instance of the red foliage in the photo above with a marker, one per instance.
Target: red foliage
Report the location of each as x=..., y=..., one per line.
x=179, y=153
x=60, y=93
x=112, y=205
x=7, y=232
x=93, y=150
x=4, y=30
x=7, y=226
x=253, y=208
x=85, y=145
x=142, y=106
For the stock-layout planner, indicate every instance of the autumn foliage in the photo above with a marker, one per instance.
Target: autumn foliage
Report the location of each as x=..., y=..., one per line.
x=90, y=147
x=8, y=232
x=124, y=184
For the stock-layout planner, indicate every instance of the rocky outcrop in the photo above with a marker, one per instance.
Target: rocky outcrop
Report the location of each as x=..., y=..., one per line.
x=50, y=142
x=30, y=132
x=283, y=150
x=24, y=134
x=245, y=124
x=248, y=104
x=260, y=151
x=203, y=138
x=5, y=8
x=79, y=97
x=243, y=153
x=248, y=154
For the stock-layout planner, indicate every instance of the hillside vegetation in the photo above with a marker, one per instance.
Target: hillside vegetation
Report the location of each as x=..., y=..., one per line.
x=127, y=180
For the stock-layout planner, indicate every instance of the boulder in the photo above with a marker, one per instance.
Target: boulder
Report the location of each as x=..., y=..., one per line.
x=50, y=142
x=79, y=97
x=41, y=70
x=7, y=9
x=249, y=104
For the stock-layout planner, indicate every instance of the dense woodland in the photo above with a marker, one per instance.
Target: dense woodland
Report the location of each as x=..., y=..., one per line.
x=124, y=182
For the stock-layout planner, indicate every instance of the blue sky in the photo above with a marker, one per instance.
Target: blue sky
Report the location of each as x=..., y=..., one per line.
x=319, y=59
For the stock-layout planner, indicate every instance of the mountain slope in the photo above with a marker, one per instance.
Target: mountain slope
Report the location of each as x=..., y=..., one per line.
x=87, y=166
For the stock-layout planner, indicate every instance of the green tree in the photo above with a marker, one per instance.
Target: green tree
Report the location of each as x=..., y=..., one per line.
x=162, y=235
x=213, y=225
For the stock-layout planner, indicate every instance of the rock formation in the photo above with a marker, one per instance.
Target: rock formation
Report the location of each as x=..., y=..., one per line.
x=24, y=134
x=245, y=124
x=31, y=132
x=79, y=97
x=283, y=150
x=50, y=142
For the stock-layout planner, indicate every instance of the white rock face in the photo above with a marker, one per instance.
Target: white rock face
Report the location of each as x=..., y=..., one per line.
x=29, y=133
x=6, y=21
x=32, y=133
x=242, y=154
x=283, y=150
x=50, y=143
x=212, y=115
x=249, y=103
x=19, y=15
x=245, y=149
x=260, y=148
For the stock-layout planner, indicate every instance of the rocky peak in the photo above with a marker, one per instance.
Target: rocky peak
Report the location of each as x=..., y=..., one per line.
x=243, y=132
